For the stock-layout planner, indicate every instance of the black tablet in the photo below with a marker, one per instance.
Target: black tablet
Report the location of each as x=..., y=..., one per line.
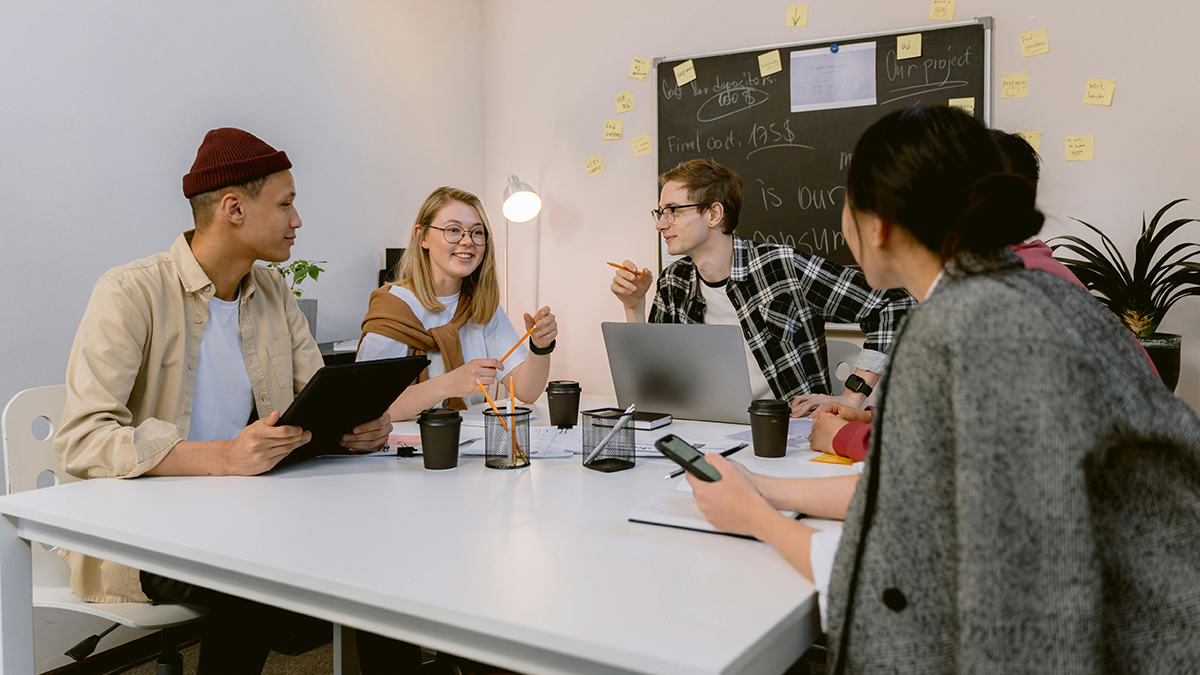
x=339, y=398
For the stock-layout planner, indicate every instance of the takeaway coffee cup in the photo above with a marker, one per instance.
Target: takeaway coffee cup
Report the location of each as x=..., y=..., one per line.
x=769, y=427
x=439, y=438
x=564, y=403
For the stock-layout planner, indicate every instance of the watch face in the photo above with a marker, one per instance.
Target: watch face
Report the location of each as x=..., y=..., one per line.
x=853, y=382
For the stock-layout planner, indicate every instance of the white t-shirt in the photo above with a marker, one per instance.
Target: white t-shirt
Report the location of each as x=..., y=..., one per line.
x=222, y=398
x=478, y=342
x=720, y=311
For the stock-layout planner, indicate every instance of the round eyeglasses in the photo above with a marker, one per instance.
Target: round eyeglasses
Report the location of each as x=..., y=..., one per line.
x=669, y=211
x=454, y=234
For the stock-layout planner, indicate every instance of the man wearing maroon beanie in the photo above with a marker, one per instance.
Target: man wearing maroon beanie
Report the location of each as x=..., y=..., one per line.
x=182, y=363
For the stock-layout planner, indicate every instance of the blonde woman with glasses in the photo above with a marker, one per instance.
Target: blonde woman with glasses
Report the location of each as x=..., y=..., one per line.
x=445, y=303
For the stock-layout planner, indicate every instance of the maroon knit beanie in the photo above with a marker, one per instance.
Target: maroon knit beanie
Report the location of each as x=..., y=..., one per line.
x=231, y=157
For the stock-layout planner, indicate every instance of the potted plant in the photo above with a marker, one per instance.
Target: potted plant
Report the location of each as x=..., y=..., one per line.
x=294, y=274
x=1142, y=295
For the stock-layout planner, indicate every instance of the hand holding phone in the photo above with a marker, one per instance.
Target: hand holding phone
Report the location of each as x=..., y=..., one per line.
x=688, y=457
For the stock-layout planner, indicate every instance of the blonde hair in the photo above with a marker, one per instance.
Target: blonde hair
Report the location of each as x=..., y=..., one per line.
x=480, y=290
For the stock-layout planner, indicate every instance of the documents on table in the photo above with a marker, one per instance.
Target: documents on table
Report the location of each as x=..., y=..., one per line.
x=675, y=509
x=798, y=433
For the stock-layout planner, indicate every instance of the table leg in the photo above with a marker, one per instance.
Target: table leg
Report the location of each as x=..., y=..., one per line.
x=16, y=600
x=345, y=651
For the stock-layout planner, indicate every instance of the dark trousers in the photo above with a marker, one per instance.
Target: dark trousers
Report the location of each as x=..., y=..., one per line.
x=237, y=634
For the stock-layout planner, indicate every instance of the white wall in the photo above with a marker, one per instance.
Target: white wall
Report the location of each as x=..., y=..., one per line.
x=553, y=69
x=103, y=107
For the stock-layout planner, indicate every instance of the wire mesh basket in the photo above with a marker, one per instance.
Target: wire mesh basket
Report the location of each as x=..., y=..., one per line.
x=619, y=452
x=506, y=439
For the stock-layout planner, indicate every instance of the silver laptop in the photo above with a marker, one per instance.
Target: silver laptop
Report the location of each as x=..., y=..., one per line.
x=691, y=371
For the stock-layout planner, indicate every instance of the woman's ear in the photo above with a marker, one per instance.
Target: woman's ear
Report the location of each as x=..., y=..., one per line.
x=419, y=235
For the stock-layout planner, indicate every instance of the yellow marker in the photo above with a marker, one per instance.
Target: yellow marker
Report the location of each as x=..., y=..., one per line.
x=966, y=104
x=641, y=145
x=797, y=16
x=594, y=166
x=612, y=130
x=625, y=102
x=1033, y=138
x=942, y=10
x=1014, y=85
x=827, y=458
x=1099, y=92
x=1079, y=148
x=908, y=46
x=685, y=72
x=769, y=63
x=640, y=69
x=1034, y=42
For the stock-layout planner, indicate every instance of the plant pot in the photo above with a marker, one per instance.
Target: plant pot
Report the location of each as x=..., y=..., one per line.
x=1163, y=349
x=308, y=307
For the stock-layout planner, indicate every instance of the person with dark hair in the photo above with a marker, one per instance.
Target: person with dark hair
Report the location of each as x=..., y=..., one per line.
x=780, y=297
x=1031, y=494
x=182, y=365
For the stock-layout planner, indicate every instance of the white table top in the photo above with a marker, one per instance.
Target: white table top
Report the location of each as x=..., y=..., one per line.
x=542, y=558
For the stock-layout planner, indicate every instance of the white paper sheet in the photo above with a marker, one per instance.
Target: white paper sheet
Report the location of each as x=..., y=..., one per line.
x=824, y=80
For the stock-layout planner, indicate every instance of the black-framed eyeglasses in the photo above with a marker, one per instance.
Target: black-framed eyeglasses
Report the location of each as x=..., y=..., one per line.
x=454, y=234
x=669, y=211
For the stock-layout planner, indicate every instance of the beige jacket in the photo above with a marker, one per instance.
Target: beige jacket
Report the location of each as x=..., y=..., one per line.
x=132, y=369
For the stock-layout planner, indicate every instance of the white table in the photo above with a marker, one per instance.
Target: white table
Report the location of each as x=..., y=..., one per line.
x=536, y=569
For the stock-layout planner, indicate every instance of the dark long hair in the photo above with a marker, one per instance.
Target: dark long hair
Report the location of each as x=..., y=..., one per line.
x=937, y=173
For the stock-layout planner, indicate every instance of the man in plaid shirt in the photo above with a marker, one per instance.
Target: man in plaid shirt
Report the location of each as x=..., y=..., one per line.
x=780, y=297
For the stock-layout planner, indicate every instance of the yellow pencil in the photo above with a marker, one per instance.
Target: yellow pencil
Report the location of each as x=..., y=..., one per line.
x=514, y=347
x=514, y=425
x=622, y=267
x=497, y=411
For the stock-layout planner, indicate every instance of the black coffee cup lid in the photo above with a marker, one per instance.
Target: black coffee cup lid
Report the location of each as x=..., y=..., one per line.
x=563, y=387
x=770, y=406
x=439, y=416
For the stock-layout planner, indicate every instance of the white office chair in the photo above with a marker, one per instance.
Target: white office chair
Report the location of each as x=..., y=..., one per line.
x=840, y=352
x=29, y=464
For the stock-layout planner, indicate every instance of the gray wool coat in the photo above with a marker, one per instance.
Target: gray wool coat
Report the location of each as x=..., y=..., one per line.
x=1031, y=501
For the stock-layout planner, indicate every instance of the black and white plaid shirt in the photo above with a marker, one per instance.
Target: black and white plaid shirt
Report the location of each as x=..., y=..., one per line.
x=783, y=298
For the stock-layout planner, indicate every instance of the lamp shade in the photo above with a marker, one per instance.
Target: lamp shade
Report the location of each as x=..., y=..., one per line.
x=521, y=203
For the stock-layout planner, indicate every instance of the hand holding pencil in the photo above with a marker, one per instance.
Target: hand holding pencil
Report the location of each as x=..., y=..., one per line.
x=542, y=327
x=630, y=285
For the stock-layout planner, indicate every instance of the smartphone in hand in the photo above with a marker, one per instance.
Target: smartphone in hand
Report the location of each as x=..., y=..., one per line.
x=687, y=457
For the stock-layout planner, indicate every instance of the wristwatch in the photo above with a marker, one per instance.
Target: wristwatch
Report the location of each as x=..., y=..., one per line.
x=858, y=385
x=543, y=352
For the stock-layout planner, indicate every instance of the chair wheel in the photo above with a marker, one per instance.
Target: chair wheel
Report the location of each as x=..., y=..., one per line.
x=169, y=664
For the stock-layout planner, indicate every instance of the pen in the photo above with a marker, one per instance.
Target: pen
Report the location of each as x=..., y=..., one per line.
x=625, y=417
x=739, y=446
x=622, y=267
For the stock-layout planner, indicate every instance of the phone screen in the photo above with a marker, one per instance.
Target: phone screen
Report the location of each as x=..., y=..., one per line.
x=688, y=457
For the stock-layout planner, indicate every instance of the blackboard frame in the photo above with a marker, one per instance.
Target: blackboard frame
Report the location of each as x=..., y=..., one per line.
x=664, y=258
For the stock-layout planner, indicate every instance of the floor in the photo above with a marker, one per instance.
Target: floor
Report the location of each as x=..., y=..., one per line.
x=318, y=661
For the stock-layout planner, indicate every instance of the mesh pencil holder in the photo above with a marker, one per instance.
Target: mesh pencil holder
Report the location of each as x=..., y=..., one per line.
x=500, y=432
x=619, y=452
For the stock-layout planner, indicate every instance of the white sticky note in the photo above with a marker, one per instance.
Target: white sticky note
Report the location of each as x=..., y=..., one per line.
x=640, y=69
x=685, y=72
x=625, y=102
x=1099, y=92
x=769, y=63
x=594, y=165
x=1079, y=148
x=1014, y=85
x=966, y=104
x=1034, y=42
x=797, y=16
x=942, y=10
x=1033, y=138
x=908, y=46
x=612, y=130
x=641, y=145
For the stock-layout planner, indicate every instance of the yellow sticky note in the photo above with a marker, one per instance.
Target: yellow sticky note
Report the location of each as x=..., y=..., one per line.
x=967, y=104
x=942, y=10
x=612, y=130
x=640, y=69
x=594, y=165
x=797, y=16
x=769, y=63
x=641, y=145
x=1014, y=85
x=1099, y=92
x=827, y=458
x=1079, y=148
x=685, y=72
x=1034, y=42
x=1033, y=138
x=908, y=46
x=624, y=102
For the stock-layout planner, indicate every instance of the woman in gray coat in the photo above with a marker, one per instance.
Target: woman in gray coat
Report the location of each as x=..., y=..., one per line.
x=1031, y=498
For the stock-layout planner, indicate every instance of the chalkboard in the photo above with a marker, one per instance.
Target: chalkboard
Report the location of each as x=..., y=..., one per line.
x=794, y=163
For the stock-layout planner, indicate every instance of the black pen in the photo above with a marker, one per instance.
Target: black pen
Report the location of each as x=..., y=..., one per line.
x=739, y=446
